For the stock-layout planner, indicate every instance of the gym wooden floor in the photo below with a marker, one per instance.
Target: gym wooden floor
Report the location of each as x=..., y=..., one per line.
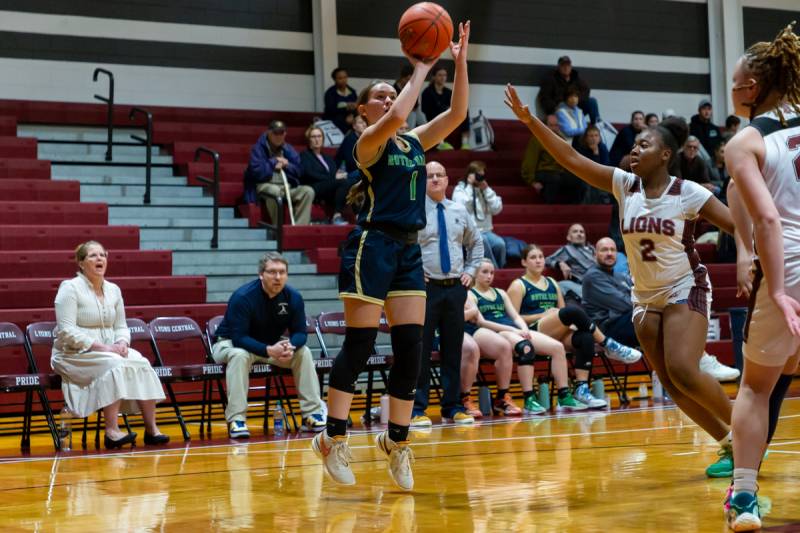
x=638, y=469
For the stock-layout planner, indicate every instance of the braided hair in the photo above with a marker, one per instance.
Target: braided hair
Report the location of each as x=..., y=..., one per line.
x=776, y=66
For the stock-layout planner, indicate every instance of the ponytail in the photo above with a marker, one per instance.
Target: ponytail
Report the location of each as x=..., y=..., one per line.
x=776, y=66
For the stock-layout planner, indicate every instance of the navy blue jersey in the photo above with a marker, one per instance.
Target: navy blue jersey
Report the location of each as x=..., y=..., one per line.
x=493, y=310
x=536, y=300
x=396, y=180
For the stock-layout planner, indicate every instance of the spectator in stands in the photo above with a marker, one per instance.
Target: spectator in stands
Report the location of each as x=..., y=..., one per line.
x=571, y=120
x=258, y=314
x=344, y=155
x=607, y=294
x=719, y=174
x=436, y=100
x=275, y=166
x=692, y=166
x=498, y=329
x=449, y=232
x=553, y=90
x=607, y=299
x=623, y=143
x=319, y=172
x=550, y=180
x=732, y=124
x=416, y=117
x=702, y=127
x=651, y=119
x=572, y=260
x=592, y=146
x=340, y=101
x=91, y=352
x=474, y=193
x=539, y=302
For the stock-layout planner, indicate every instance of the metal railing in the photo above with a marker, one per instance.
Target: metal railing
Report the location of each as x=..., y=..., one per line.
x=215, y=189
x=148, y=143
x=110, y=102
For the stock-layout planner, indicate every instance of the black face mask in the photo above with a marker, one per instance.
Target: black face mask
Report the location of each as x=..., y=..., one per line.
x=479, y=177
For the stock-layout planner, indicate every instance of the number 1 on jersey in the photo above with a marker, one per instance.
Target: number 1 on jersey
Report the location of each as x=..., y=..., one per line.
x=413, y=192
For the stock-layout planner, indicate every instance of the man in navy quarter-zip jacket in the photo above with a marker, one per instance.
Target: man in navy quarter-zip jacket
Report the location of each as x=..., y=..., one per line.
x=258, y=314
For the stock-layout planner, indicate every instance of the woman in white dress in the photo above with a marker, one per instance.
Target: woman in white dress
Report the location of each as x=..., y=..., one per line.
x=98, y=370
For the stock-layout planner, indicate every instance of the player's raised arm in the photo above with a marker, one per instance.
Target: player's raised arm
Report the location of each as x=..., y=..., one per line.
x=436, y=130
x=594, y=174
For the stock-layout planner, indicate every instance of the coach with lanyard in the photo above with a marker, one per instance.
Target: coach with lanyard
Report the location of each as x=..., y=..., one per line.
x=449, y=231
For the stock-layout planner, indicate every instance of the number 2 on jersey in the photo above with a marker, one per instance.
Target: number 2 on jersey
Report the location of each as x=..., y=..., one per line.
x=647, y=246
x=793, y=143
x=413, y=192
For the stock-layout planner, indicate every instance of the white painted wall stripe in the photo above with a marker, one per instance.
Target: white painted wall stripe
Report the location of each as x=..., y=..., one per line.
x=785, y=5
x=68, y=81
x=380, y=46
x=152, y=31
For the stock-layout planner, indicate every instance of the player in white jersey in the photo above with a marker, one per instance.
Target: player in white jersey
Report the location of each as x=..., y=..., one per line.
x=764, y=162
x=671, y=288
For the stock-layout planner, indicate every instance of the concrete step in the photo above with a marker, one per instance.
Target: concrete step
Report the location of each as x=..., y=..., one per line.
x=257, y=246
x=161, y=211
x=100, y=158
x=178, y=222
x=203, y=259
x=77, y=171
x=201, y=234
x=77, y=133
x=201, y=202
x=297, y=279
x=51, y=151
x=137, y=191
x=178, y=181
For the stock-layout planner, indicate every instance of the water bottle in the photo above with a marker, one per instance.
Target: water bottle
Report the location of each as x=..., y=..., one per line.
x=598, y=389
x=385, y=409
x=658, y=390
x=485, y=400
x=544, y=394
x=277, y=421
x=65, y=429
x=642, y=390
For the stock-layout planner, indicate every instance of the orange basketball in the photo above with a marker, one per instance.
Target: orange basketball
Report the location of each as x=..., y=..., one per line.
x=425, y=30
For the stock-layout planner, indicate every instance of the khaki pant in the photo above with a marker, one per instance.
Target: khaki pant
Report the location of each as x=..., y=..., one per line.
x=237, y=378
x=302, y=198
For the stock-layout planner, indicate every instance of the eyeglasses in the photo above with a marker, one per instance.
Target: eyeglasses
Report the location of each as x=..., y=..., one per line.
x=272, y=272
x=436, y=175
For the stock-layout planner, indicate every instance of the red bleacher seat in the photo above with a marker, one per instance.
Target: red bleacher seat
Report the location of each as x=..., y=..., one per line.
x=32, y=292
x=15, y=213
x=168, y=132
x=42, y=264
x=8, y=125
x=543, y=214
x=18, y=147
x=40, y=190
x=24, y=169
x=25, y=237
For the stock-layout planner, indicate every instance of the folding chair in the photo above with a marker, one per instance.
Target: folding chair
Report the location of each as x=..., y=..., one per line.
x=19, y=374
x=180, y=348
x=619, y=386
x=333, y=323
x=142, y=340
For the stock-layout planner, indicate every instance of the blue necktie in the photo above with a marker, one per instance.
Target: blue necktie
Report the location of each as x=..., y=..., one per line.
x=444, y=249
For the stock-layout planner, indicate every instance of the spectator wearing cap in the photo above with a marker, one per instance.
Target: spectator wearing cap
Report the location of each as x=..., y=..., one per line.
x=623, y=143
x=274, y=167
x=702, y=128
x=340, y=101
x=553, y=90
